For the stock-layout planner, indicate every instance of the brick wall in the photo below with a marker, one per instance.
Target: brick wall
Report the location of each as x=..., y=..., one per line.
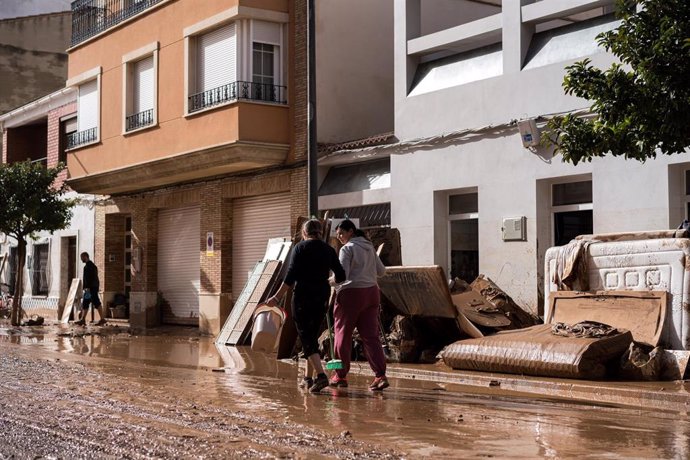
x=54, y=136
x=299, y=88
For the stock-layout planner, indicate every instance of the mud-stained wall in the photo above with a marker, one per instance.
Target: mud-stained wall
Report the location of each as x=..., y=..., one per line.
x=33, y=59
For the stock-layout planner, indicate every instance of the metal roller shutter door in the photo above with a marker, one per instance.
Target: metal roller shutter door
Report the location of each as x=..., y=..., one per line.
x=254, y=221
x=178, y=263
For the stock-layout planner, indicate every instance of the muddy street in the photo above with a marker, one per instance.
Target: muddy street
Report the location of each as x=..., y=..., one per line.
x=104, y=392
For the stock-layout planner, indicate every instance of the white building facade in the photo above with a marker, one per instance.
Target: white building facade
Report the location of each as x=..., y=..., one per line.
x=463, y=190
x=473, y=199
x=37, y=132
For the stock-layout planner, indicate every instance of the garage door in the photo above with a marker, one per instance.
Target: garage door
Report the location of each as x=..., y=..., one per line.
x=254, y=221
x=178, y=264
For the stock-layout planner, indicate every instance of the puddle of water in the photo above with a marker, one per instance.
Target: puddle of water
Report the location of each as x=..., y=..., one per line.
x=418, y=418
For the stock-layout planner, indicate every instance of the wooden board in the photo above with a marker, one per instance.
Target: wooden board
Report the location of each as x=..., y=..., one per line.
x=418, y=291
x=479, y=310
x=239, y=321
x=641, y=312
x=74, y=288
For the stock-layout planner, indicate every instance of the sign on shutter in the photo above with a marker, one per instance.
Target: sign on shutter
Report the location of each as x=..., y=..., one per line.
x=217, y=58
x=255, y=220
x=142, y=94
x=179, y=264
x=87, y=106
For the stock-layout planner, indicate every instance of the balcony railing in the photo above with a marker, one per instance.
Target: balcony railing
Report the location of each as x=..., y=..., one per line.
x=81, y=137
x=91, y=17
x=239, y=90
x=139, y=120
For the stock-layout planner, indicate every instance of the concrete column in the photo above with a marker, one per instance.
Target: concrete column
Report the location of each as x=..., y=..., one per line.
x=407, y=25
x=516, y=36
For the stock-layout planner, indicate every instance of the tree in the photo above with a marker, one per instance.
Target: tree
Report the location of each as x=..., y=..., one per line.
x=640, y=105
x=30, y=202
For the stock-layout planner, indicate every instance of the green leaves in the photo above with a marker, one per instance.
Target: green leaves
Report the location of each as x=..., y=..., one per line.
x=642, y=106
x=30, y=201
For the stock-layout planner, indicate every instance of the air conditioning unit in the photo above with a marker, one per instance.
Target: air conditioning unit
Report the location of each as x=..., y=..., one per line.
x=529, y=132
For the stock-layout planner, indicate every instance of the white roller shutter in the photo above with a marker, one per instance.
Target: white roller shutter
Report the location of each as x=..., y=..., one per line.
x=217, y=58
x=254, y=221
x=87, y=106
x=178, y=263
x=266, y=32
x=142, y=91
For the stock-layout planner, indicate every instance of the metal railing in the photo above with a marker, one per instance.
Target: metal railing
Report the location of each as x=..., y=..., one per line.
x=81, y=137
x=238, y=90
x=139, y=120
x=91, y=17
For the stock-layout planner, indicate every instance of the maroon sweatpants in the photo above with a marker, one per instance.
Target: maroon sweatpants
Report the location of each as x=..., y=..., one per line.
x=358, y=307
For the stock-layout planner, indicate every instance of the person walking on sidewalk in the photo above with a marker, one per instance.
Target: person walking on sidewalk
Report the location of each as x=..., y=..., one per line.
x=310, y=266
x=91, y=288
x=357, y=305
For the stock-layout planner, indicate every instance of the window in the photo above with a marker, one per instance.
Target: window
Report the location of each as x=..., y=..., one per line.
x=231, y=61
x=687, y=194
x=142, y=94
x=68, y=127
x=216, y=70
x=39, y=270
x=263, y=72
x=87, y=115
x=571, y=204
x=12, y=268
x=463, y=236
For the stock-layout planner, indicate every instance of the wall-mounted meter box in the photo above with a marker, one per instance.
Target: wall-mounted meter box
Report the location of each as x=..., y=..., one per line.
x=514, y=228
x=529, y=132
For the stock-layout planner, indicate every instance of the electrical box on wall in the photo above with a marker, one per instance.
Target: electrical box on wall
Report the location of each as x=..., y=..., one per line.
x=529, y=132
x=514, y=228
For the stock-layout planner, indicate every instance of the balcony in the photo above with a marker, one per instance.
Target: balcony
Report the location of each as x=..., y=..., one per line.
x=139, y=120
x=239, y=90
x=91, y=17
x=80, y=138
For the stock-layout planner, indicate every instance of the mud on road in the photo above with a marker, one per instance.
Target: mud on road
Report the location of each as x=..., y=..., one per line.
x=58, y=407
x=170, y=393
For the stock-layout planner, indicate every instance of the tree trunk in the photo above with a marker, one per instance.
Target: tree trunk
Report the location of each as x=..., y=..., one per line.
x=19, y=283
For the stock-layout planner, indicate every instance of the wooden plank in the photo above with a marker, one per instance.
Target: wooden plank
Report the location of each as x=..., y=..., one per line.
x=264, y=286
x=241, y=302
x=72, y=298
x=418, y=291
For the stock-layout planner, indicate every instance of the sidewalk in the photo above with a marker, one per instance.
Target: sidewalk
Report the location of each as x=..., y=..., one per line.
x=671, y=396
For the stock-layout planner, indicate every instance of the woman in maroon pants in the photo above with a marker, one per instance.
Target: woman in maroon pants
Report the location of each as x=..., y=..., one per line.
x=357, y=305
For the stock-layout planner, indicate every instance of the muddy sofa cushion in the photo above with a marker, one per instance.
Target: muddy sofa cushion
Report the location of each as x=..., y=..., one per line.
x=536, y=351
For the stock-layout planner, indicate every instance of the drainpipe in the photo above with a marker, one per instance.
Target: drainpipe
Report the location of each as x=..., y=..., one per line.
x=312, y=152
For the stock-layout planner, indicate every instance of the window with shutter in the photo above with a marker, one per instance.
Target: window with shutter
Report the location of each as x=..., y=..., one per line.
x=143, y=94
x=216, y=68
x=87, y=115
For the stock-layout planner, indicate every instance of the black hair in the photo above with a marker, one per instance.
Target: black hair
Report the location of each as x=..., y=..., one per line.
x=348, y=226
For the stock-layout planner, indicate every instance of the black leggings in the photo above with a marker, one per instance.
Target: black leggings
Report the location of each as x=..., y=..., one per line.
x=308, y=310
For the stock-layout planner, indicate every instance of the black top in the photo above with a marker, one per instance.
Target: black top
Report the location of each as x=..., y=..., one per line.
x=91, y=276
x=311, y=263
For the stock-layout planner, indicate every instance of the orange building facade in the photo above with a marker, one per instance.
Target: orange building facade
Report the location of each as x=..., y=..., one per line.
x=191, y=119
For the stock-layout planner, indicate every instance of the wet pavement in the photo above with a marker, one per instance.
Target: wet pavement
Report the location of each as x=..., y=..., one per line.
x=104, y=392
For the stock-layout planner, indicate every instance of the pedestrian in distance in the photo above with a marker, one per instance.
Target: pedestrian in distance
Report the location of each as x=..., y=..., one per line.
x=357, y=305
x=310, y=266
x=91, y=286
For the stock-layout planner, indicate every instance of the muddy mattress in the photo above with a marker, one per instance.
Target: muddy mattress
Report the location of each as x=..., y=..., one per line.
x=537, y=351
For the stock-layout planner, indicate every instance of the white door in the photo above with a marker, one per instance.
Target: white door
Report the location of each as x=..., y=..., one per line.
x=254, y=221
x=178, y=264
